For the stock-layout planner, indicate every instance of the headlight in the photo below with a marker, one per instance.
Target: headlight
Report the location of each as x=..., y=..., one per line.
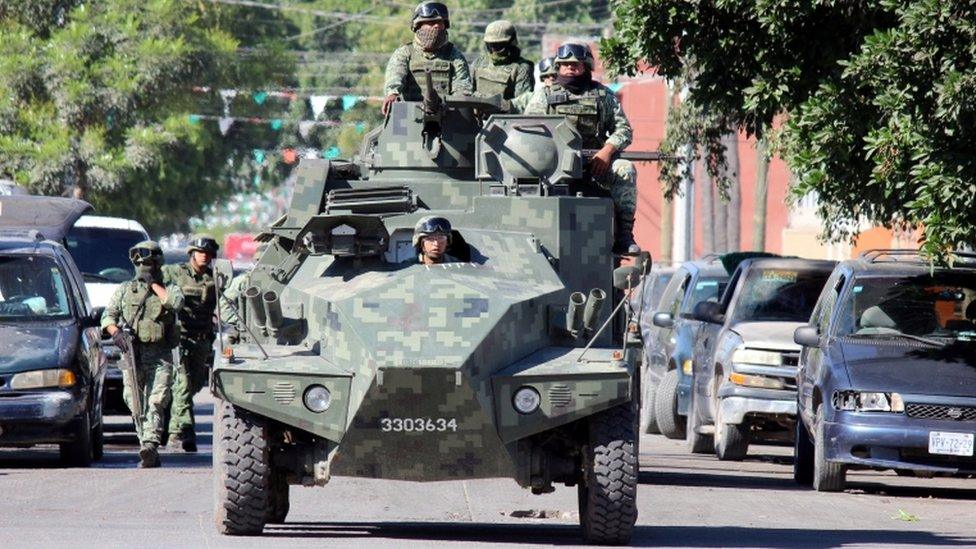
x=759, y=382
x=854, y=401
x=755, y=356
x=317, y=398
x=526, y=400
x=39, y=379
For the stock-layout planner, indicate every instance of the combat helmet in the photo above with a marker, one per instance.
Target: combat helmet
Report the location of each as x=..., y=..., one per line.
x=432, y=224
x=145, y=250
x=203, y=243
x=574, y=51
x=501, y=32
x=430, y=11
x=546, y=67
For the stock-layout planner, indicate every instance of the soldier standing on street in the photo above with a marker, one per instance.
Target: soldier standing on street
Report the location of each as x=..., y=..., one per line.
x=596, y=114
x=148, y=308
x=195, y=279
x=502, y=69
x=430, y=52
x=547, y=73
x=431, y=237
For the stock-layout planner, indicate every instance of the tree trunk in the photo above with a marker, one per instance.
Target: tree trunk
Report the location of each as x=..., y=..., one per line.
x=762, y=188
x=707, y=193
x=732, y=226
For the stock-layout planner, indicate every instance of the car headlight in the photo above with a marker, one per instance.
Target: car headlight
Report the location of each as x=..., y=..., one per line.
x=756, y=356
x=856, y=401
x=317, y=398
x=40, y=379
x=759, y=382
x=526, y=400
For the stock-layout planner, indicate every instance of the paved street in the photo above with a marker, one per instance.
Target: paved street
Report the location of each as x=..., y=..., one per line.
x=684, y=501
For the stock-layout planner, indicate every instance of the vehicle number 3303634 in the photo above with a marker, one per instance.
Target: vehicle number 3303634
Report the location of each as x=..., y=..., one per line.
x=417, y=424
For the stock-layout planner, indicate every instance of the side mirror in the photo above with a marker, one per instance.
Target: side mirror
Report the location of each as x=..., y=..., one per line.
x=708, y=311
x=223, y=273
x=662, y=320
x=807, y=336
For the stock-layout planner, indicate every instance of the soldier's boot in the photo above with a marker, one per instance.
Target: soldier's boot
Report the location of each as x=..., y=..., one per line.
x=149, y=455
x=185, y=440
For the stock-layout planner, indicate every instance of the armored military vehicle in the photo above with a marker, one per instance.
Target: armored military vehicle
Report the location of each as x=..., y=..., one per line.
x=359, y=361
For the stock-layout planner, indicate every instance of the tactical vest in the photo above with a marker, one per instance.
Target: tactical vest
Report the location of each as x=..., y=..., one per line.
x=496, y=79
x=154, y=323
x=441, y=74
x=199, y=300
x=583, y=112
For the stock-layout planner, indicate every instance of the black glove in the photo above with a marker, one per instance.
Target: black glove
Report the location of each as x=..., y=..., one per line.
x=119, y=339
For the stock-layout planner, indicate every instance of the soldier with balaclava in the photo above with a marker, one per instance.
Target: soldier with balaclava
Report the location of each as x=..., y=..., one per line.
x=502, y=70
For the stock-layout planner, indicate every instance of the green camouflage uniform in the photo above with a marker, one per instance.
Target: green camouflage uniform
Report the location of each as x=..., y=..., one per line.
x=510, y=79
x=155, y=338
x=600, y=119
x=230, y=303
x=196, y=341
x=407, y=66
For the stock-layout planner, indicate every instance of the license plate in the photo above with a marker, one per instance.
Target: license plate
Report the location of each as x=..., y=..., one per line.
x=950, y=444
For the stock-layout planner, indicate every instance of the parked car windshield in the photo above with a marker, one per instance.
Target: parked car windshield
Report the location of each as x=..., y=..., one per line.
x=779, y=295
x=941, y=304
x=102, y=254
x=706, y=289
x=32, y=288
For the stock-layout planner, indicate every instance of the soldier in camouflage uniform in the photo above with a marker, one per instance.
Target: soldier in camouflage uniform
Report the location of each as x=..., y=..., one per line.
x=431, y=238
x=502, y=69
x=230, y=304
x=195, y=279
x=149, y=308
x=430, y=51
x=547, y=73
x=595, y=112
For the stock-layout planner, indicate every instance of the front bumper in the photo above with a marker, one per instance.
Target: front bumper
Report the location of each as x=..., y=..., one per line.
x=39, y=417
x=738, y=402
x=893, y=441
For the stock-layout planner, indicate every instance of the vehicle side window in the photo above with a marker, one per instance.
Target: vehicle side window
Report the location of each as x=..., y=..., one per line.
x=827, y=303
x=674, y=290
x=675, y=304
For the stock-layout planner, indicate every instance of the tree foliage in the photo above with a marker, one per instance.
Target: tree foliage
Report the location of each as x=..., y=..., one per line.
x=876, y=97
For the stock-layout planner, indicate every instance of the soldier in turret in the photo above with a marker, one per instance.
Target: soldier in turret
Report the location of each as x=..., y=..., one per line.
x=547, y=73
x=431, y=238
x=430, y=51
x=596, y=113
x=148, y=308
x=502, y=69
x=195, y=279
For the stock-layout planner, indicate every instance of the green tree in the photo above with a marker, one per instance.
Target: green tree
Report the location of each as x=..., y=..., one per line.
x=875, y=94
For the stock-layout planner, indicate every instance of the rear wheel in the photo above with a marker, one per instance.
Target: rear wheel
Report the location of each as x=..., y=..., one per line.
x=697, y=443
x=80, y=451
x=242, y=471
x=802, y=454
x=827, y=475
x=731, y=440
x=608, y=489
x=669, y=422
x=648, y=417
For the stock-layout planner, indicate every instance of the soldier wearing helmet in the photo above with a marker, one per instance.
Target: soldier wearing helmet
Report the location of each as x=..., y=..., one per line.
x=195, y=279
x=596, y=113
x=502, y=70
x=546, y=70
x=147, y=308
x=430, y=51
x=431, y=238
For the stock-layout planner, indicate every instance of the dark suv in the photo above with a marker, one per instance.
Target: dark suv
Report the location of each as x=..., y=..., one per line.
x=669, y=347
x=888, y=370
x=52, y=368
x=646, y=301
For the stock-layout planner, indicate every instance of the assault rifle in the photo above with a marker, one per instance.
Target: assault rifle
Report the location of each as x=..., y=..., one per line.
x=129, y=360
x=633, y=156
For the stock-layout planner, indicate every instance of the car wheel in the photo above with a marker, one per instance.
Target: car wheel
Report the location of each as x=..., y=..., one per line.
x=648, y=417
x=731, y=441
x=98, y=440
x=242, y=471
x=697, y=442
x=828, y=476
x=79, y=452
x=669, y=422
x=802, y=454
x=607, y=491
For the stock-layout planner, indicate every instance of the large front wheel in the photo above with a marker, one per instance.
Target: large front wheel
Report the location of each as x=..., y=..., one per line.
x=608, y=489
x=242, y=471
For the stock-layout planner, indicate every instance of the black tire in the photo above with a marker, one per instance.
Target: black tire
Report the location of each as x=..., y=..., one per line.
x=669, y=422
x=242, y=471
x=607, y=491
x=280, y=505
x=802, y=454
x=648, y=416
x=828, y=476
x=697, y=443
x=731, y=441
x=79, y=452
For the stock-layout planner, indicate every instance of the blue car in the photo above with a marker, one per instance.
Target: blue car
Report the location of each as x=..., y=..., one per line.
x=887, y=375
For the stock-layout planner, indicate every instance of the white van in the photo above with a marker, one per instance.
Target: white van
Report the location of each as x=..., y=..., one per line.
x=100, y=247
